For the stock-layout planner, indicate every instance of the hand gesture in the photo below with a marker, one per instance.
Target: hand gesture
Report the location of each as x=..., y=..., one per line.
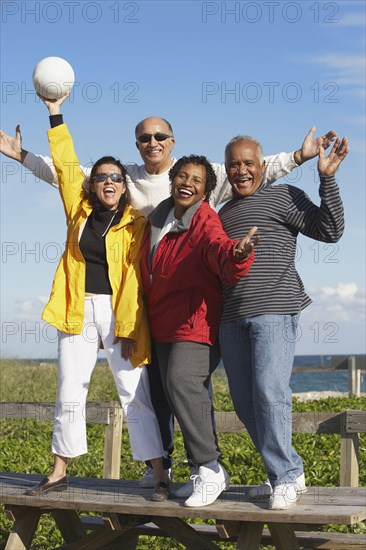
x=327, y=166
x=11, y=146
x=129, y=347
x=246, y=245
x=54, y=105
x=311, y=145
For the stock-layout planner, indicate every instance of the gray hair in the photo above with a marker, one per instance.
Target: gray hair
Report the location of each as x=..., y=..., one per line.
x=239, y=138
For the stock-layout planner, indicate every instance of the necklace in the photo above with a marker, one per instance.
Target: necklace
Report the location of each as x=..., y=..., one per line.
x=110, y=223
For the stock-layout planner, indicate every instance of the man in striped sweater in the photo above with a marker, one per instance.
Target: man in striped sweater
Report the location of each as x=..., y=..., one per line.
x=259, y=323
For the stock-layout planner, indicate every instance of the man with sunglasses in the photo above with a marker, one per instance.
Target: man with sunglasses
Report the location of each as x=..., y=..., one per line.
x=149, y=184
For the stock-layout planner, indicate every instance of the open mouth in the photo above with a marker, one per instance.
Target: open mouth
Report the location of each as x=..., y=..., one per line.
x=109, y=191
x=184, y=193
x=153, y=151
x=243, y=181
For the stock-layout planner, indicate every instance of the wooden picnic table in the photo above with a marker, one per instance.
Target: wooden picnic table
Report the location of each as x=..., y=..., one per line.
x=124, y=505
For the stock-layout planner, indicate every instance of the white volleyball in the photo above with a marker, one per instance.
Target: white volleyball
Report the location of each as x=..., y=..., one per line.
x=53, y=77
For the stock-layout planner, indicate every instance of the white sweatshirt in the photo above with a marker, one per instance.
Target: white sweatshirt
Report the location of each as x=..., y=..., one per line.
x=148, y=190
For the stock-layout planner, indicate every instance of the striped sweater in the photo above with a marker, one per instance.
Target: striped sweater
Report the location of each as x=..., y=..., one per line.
x=281, y=212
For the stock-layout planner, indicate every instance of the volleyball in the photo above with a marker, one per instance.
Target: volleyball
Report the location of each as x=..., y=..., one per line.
x=53, y=77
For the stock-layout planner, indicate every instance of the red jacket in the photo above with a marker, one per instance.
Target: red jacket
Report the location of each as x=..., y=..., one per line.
x=182, y=276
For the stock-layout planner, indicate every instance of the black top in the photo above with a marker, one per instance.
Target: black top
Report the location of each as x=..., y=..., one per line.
x=92, y=246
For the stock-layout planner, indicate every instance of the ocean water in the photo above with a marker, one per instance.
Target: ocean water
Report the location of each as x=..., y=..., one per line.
x=328, y=380
x=321, y=381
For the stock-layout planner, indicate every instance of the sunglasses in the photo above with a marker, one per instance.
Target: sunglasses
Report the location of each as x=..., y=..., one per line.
x=159, y=136
x=101, y=178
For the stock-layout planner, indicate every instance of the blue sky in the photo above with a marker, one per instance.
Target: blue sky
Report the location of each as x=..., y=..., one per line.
x=270, y=69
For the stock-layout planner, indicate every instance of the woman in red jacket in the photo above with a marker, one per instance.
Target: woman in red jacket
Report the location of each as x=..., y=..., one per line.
x=185, y=257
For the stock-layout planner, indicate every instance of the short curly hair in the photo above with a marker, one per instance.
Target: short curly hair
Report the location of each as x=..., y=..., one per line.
x=199, y=160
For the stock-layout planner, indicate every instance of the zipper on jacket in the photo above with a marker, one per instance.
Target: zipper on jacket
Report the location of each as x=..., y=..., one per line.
x=151, y=261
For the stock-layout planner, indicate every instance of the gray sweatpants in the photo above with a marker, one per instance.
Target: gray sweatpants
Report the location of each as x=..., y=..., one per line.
x=186, y=369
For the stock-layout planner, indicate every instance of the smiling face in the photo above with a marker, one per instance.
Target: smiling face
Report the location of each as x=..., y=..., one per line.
x=244, y=167
x=108, y=190
x=188, y=187
x=154, y=153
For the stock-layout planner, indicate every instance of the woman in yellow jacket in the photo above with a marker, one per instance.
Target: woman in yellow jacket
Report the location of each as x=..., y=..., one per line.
x=97, y=299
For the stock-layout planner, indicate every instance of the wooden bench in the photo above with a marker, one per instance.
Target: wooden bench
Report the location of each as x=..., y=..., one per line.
x=347, y=423
x=124, y=506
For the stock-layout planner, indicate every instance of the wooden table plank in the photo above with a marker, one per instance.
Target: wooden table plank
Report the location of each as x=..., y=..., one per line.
x=128, y=505
x=340, y=505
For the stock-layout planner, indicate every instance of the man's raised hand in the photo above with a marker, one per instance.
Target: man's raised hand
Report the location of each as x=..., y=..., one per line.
x=311, y=145
x=327, y=166
x=11, y=146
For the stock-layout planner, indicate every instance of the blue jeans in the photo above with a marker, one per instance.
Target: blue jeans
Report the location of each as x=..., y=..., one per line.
x=258, y=354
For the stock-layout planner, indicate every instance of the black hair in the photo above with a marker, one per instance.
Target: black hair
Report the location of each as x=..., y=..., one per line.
x=92, y=198
x=199, y=160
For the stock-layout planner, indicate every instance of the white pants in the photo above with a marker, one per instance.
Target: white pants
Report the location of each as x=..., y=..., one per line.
x=77, y=356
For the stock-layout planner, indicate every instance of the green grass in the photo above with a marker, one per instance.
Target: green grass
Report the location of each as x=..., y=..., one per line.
x=26, y=444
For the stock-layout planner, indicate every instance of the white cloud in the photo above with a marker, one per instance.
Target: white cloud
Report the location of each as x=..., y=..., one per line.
x=344, y=291
x=335, y=321
x=340, y=61
x=30, y=310
x=352, y=20
x=344, y=69
x=345, y=302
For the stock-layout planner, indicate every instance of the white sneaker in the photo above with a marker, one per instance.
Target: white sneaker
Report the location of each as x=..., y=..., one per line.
x=148, y=481
x=283, y=497
x=264, y=490
x=207, y=486
x=300, y=484
x=186, y=490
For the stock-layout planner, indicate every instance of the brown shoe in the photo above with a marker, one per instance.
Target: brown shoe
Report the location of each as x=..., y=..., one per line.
x=161, y=492
x=45, y=486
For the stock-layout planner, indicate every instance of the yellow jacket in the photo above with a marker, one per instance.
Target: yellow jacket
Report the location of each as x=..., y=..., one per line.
x=65, y=309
